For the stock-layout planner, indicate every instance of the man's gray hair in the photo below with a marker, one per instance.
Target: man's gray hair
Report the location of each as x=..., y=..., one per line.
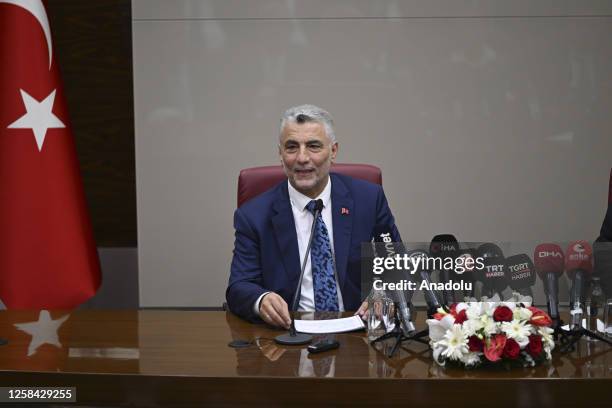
x=309, y=113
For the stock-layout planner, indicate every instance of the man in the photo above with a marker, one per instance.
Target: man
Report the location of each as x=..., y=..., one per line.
x=273, y=229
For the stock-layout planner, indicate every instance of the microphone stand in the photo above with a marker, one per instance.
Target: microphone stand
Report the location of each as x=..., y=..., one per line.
x=398, y=334
x=569, y=338
x=293, y=338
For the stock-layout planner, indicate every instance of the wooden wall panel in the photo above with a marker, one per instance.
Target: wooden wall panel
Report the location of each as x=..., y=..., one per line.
x=93, y=42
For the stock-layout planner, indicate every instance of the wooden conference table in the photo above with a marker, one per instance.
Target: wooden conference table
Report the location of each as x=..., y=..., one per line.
x=181, y=358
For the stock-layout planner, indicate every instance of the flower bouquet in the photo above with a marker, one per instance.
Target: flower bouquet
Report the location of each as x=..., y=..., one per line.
x=491, y=333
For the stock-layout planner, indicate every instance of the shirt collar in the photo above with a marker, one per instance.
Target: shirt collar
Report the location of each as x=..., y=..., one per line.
x=300, y=200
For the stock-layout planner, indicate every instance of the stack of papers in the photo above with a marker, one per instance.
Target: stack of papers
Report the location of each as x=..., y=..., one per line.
x=346, y=324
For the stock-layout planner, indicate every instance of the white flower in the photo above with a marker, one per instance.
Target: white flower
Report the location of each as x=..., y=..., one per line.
x=547, y=340
x=455, y=343
x=471, y=326
x=438, y=328
x=474, y=310
x=437, y=350
x=526, y=300
x=461, y=306
x=518, y=298
x=518, y=331
x=488, y=324
x=522, y=313
x=471, y=358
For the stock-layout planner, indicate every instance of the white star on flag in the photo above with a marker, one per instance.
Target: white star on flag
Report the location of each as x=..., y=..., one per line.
x=43, y=331
x=39, y=117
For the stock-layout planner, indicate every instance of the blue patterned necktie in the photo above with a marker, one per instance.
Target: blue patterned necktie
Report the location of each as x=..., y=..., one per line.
x=322, y=263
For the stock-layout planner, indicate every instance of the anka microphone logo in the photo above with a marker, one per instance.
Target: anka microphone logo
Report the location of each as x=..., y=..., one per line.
x=579, y=248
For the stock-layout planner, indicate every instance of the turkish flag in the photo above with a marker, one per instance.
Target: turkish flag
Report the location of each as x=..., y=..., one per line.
x=48, y=257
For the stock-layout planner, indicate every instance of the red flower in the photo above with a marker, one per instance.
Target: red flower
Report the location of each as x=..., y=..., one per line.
x=512, y=349
x=495, y=347
x=461, y=317
x=539, y=317
x=502, y=314
x=534, y=348
x=453, y=309
x=475, y=344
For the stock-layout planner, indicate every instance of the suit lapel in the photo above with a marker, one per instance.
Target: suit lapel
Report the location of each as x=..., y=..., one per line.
x=342, y=207
x=286, y=238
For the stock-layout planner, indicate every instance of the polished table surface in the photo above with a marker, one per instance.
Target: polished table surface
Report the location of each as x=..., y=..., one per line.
x=174, y=358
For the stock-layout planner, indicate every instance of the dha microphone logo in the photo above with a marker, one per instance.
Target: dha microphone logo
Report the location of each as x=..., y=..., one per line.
x=447, y=247
x=552, y=254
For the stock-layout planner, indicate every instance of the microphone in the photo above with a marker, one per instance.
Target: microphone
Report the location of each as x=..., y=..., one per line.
x=493, y=275
x=419, y=262
x=468, y=262
x=382, y=239
x=293, y=337
x=548, y=260
x=602, y=262
x=578, y=266
x=521, y=274
x=443, y=246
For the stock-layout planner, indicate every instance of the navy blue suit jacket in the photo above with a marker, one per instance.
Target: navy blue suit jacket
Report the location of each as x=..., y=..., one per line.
x=266, y=254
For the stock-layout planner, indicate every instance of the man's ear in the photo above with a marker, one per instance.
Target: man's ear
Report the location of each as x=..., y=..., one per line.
x=334, y=151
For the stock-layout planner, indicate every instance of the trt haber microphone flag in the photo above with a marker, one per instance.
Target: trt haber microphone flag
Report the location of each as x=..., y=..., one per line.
x=48, y=257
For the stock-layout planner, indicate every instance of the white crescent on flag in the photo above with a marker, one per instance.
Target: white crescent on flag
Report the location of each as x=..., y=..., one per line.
x=36, y=8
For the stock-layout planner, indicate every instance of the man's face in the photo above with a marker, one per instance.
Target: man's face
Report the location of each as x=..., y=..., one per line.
x=307, y=154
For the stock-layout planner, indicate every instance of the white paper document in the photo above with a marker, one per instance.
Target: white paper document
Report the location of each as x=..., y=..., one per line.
x=346, y=324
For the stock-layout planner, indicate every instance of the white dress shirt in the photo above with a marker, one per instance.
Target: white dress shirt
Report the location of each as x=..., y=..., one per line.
x=303, y=224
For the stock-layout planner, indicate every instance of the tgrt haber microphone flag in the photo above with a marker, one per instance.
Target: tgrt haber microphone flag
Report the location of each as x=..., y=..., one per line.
x=48, y=257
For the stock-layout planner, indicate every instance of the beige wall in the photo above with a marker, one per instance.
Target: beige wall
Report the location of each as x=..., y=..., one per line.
x=489, y=119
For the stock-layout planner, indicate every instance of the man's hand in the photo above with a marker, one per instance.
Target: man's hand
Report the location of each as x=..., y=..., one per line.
x=363, y=310
x=274, y=311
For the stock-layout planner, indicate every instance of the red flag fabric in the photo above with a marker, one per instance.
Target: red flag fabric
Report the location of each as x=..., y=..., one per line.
x=48, y=258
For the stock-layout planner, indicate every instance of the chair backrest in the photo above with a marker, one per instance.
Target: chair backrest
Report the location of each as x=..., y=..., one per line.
x=256, y=180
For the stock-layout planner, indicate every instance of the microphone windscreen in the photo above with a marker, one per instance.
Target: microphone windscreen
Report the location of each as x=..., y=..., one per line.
x=520, y=271
x=489, y=250
x=579, y=256
x=494, y=273
x=468, y=263
x=443, y=245
x=383, y=242
x=602, y=254
x=548, y=258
